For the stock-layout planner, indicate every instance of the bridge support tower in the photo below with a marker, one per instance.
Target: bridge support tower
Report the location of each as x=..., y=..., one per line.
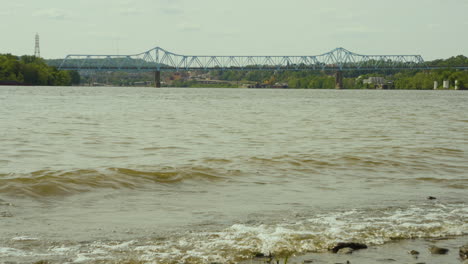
x=339, y=80
x=157, y=79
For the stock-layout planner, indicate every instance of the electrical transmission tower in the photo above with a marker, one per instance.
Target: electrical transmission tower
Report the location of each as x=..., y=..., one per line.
x=37, y=52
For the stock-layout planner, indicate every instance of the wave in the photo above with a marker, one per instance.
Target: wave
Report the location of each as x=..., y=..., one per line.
x=294, y=235
x=44, y=183
x=316, y=233
x=393, y=163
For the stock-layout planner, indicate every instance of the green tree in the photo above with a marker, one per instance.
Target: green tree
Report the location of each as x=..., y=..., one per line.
x=31, y=70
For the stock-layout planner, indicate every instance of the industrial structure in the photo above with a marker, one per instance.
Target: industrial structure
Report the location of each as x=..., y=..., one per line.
x=37, y=51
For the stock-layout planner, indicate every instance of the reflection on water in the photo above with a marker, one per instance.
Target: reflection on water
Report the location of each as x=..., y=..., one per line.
x=217, y=174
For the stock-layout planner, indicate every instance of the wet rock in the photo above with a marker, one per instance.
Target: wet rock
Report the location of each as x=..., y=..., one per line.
x=345, y=250
x=438, y=250
x=431, y=198
x=259, y=255
x=354, y=246
x=463, y=252
x=414, y=252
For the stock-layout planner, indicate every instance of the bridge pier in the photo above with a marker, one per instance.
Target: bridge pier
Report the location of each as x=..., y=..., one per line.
x=339, y=80
x=157, y=79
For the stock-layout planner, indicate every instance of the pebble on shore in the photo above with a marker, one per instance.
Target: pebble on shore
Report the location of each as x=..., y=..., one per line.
x=463, y=252
x=438, y=250
x=352, y=246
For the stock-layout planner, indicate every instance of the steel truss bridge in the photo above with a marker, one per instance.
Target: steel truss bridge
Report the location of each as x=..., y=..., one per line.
x=159, y=59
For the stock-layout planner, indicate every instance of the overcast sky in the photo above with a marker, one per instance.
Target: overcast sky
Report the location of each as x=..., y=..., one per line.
x=431, y=28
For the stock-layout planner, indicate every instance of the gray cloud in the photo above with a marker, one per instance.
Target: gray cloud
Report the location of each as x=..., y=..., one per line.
x=130, y=11
x=172, y=10
x=188, y=27
x=357, y=29
x=52, y=13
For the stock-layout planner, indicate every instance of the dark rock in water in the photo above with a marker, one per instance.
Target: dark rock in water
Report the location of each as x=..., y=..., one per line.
x=431, y=198
x=345, y=250
x=438, y=250
x=307, y=261
x=354, y=246
x=387, y=260
x=414, y=252
x=463, y=252
x=259, y=255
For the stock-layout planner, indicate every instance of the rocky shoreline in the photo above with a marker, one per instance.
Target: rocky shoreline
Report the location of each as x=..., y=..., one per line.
x=449, y=250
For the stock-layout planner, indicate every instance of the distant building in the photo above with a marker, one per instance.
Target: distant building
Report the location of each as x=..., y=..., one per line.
x=280, y=85
x=377, y=83
x=374, y=80
x=265, y=85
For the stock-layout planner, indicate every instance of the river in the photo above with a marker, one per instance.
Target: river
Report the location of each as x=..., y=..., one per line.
x=91, y=174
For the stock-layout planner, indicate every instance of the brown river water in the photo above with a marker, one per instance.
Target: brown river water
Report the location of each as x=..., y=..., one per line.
x=107, y=174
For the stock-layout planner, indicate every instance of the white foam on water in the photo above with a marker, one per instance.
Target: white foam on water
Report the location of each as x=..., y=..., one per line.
x=11, y=252
x=81, y=258
x=95, y=255
x=318, y=233
x=160, y=253
x=240, y=241
x=148, y=248
x=24, y=238
x=118, y=246
x=62, y=250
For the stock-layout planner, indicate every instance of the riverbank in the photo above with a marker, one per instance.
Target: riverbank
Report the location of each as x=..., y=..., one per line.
x=398, y=251
x=412, y=251
x=13, y=83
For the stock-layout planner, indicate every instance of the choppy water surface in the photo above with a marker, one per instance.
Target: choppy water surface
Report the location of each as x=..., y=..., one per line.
x=204, y=175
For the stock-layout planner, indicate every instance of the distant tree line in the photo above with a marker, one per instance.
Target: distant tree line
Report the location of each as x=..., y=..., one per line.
x=32, y=70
